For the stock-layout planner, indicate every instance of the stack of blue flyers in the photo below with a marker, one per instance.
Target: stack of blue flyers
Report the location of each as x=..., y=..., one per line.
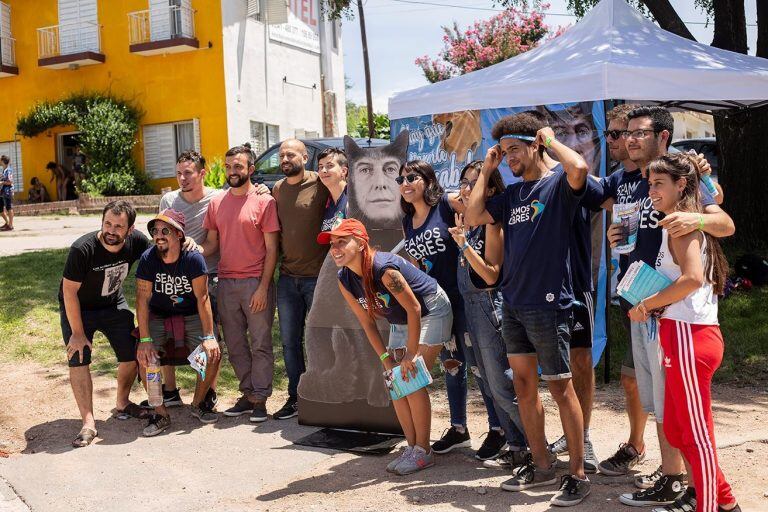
x=640, y=282
x=398, y=388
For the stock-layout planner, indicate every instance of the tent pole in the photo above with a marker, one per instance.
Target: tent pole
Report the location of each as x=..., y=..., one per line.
x=607, y=105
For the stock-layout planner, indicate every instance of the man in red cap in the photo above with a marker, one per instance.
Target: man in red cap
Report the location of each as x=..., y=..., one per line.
x=172, y=302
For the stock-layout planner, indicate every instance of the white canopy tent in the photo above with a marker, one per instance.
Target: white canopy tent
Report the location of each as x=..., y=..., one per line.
x=613, y=53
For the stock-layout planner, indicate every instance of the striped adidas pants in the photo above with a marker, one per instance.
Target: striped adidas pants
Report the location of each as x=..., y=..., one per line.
x=691, y=355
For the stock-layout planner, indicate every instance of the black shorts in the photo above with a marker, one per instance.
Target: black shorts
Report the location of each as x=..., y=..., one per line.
x=6, y=203
x=115, y=323
x=583, y=320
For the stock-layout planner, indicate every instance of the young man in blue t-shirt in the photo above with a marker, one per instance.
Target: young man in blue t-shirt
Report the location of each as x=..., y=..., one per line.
x=537, y=213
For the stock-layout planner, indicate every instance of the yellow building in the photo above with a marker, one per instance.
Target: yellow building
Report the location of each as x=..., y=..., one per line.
x=178, y=61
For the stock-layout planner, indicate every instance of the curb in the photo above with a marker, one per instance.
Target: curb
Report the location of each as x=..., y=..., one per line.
x=9, y=500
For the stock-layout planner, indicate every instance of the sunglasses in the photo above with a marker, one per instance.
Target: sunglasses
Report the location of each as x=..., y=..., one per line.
x=410, y=178
x=614, y=134
x=164, y=231
x=467, y=183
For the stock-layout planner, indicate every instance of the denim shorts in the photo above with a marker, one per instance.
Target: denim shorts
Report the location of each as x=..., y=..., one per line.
x=435, y=327
x=544, y=333
x=6, y=202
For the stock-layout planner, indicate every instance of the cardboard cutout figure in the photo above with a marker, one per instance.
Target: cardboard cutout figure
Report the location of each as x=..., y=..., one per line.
x=343, y=386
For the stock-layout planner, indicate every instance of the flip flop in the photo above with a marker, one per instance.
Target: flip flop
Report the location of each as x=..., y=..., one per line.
x=84, y=437
x=132, y=411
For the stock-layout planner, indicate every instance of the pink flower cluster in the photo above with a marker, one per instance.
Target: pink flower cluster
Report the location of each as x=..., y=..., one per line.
x=485, y=43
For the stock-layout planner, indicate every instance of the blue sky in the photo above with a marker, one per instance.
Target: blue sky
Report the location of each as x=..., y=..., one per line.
x=399, y=31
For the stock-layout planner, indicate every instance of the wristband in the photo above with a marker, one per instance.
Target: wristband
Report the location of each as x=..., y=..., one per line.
x=548, y=142
x=701, y=222
x=384, y=356
x=145, y=340
x=207, y=337
x=464, y=247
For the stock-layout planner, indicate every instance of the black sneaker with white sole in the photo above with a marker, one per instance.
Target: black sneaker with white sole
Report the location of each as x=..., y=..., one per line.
x=667, y=489
x=625, y=458
x=649, y=480
x=289, y=410
x=451, y=439
x=171, y=398
x=508, y=460
x=211, y=399
x=259, y=412
x=529, y=476
x=492, y=446
x=572, y=491
x=242, y=406
x=685, y=503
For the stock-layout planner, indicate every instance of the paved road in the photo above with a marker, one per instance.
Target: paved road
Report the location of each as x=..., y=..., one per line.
x=51, y=232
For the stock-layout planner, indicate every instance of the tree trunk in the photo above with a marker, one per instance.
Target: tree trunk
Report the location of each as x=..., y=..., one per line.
x=741, y=135
x=667, y=18
x=366, y=65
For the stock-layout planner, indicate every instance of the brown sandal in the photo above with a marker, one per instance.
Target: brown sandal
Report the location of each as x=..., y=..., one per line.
x=85, y=437
x=132, y=411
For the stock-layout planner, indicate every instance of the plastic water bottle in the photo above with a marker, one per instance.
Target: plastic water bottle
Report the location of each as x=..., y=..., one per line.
x=154, y=383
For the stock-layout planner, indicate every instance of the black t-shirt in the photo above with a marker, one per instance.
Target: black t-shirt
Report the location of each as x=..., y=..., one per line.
x=476, y=240
x=172, y=292
x=100, y=272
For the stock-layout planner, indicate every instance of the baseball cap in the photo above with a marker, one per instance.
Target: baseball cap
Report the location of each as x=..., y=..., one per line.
x=344, y=228
x=171, y=217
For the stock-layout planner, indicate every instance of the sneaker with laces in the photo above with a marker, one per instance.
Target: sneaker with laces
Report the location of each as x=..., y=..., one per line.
x=259, y=413
x=492, y=446
x=737, y=508
x=405, y=452
x=508, y=460
x=242, y=406
x=529, y=476
x=156, y=425
x=666, y=490
x=685, y=503
x=289, y=410
x=211, y=399
x=590, y=459
x=417, y=460
x=171, y=398
x=625, y=458
x=649, y=480
x=572, y=491
x=559, y=447
x=451, y=439
x=204, y=414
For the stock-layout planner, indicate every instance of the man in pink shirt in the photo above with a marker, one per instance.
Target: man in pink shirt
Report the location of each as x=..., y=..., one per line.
x=243, y=226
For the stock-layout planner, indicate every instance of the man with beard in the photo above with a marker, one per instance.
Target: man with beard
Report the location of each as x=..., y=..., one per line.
x=91, y=299
x=301, y=201
x=172, y=303
x=243, y=226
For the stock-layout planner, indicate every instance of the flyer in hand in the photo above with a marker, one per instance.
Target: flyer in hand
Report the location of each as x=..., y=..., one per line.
x=398, y=388
x=198, y=360
x=640, y=282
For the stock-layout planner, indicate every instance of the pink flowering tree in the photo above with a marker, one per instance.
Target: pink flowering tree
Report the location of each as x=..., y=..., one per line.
x=485, y=43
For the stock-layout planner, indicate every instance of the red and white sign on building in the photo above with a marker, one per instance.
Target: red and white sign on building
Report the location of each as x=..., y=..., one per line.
x=302, y=28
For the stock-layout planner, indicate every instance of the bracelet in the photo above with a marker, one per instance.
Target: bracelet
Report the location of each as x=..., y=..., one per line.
x=145, y=340
x=701, y=222
x=464, y=247
x=207, y=337
x=548, y=142
x=384, y=356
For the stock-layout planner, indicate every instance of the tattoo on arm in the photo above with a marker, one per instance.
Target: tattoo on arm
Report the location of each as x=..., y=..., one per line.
x=396, y=284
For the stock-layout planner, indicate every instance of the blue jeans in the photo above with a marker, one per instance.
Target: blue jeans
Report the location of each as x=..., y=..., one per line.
x=294, y=298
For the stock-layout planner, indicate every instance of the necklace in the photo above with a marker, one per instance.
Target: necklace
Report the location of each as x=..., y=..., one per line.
x=538, y=182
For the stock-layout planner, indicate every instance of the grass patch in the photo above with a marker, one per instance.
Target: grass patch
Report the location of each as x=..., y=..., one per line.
x=30, y=326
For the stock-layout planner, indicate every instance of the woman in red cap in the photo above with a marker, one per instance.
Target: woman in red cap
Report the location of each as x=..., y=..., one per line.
x=379, y=284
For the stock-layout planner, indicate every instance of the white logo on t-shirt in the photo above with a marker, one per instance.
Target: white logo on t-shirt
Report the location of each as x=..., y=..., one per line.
x=113, y=279
x=550, y=297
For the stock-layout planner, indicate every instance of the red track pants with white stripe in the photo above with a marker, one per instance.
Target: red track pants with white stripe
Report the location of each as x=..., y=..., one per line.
x=692, y=354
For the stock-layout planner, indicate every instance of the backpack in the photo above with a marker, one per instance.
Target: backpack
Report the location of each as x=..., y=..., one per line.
x=754, y=268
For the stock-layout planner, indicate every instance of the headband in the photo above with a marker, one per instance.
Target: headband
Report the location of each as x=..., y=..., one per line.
x=526, y=138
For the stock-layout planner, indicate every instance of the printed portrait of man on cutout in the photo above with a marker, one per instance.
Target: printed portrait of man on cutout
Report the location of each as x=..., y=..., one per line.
x=343, y=386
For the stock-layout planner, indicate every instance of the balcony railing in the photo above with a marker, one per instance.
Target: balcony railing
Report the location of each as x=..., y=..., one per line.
x=67, y=39
x=174, y=22
x=7, y=51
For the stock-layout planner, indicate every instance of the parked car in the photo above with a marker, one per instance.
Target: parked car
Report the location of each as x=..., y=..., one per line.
x=268, y=163
x=707, y=146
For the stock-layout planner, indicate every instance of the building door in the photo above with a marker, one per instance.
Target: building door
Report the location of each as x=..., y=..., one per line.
x=78, y=26
x=6, y=56
x=65, y=149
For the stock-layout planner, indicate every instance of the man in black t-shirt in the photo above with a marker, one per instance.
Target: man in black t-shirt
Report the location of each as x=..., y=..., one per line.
x=91, y=299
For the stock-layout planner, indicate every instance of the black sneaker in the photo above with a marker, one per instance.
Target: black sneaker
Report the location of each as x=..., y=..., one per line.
x=157, y=424
x=685, y=503
x=572, y=491
x=242, y=406
x=737, y=508
x=667, y=489
x=210, y=400
x=492, y=445
x=508, y=460
x=625, y=458
x=289, y=410
x=649, y=480
x=171, y=398
x=259, y=412
x=529, y=476
x=451, y=439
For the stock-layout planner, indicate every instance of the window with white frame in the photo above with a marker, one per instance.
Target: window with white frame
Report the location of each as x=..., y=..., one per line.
x=12, y=149
x=263, y=136
x=254, y=10
x=7, y=43
x=163, y=143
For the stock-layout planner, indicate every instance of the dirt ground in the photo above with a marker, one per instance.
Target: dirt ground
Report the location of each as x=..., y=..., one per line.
x=235, y=465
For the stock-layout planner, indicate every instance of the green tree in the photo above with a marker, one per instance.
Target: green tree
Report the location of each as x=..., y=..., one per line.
x=740, y=132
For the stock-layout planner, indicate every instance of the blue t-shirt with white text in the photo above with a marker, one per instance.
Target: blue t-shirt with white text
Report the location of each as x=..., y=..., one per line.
x=334, y=211
x=581, y=237
x=172, y=292
x=537, y=218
